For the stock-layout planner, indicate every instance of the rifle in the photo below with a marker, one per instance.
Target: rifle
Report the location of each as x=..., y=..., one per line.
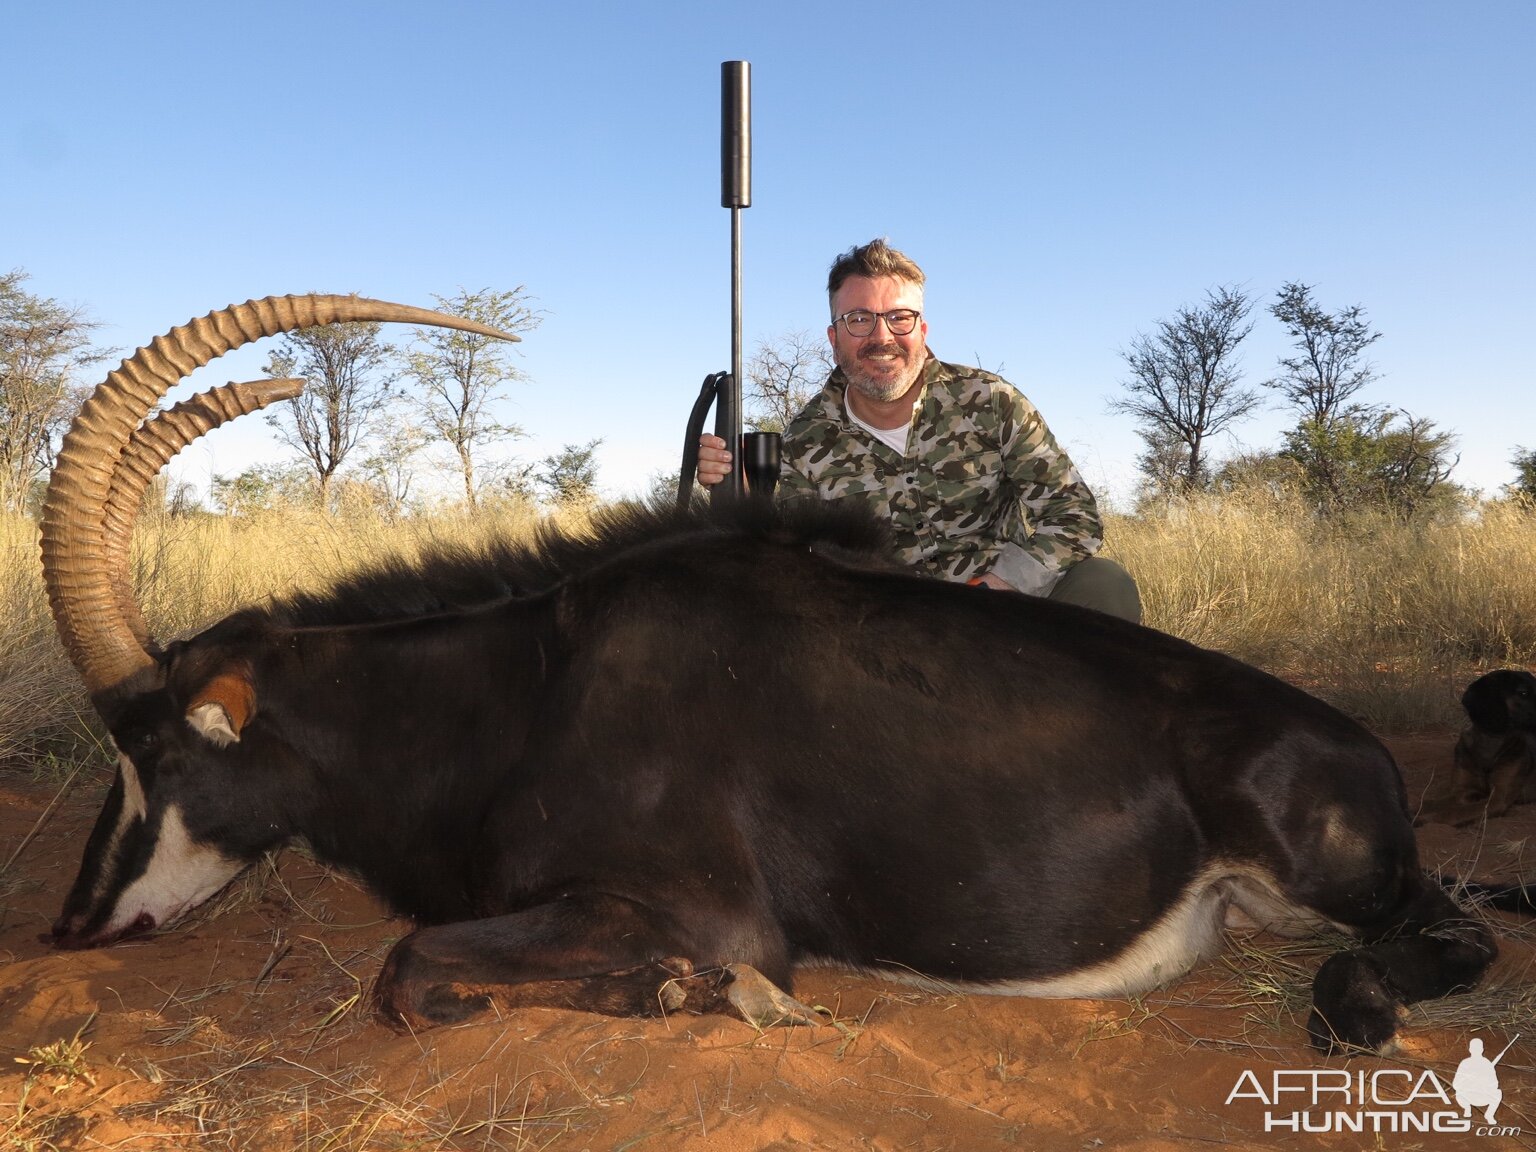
x=756, y=454
x=1506, y=1048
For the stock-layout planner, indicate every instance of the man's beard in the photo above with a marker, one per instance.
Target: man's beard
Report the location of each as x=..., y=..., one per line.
x=882, y=389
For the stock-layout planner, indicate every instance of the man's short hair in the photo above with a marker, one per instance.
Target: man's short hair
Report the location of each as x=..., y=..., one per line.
x=875, y=259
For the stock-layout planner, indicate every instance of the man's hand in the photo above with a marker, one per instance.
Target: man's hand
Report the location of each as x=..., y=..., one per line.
x=989, y=580
x=714, y=460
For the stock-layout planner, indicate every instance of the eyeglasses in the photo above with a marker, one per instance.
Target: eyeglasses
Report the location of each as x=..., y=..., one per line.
x=861, y=322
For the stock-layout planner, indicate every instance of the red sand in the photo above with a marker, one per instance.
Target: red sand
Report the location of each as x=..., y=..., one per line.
x=249, y=1028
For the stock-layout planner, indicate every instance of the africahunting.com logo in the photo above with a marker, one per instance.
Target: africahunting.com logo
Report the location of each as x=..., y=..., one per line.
x=1379, y=1100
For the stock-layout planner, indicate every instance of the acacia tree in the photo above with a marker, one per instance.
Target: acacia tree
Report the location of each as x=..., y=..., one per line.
x=1184, y=387
x=784, y=372
x=1330, y=365
x=1416, y=462
x=345, y=367
x=43, y=343
x=1374, y=457
x=388, y=471
x=1163, y=463
x=461, y=373
x=263, y=487
x=570, y=475
x=1320, y=382
x=1524, y=464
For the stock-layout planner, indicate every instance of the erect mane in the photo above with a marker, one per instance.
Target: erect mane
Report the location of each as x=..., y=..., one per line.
x=458, y=577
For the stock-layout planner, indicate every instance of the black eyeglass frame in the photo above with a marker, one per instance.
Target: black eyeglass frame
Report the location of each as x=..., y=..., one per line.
x=905, y=328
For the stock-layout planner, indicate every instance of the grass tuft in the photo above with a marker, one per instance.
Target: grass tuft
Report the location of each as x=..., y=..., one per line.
x=62, y=1062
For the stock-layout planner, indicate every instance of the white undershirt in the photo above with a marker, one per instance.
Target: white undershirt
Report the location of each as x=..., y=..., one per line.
x=895, y=437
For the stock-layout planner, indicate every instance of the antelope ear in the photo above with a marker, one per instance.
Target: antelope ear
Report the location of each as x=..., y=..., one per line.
x=221, y=709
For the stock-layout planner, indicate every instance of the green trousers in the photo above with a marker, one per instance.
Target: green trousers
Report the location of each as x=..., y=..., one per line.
x=1100, y=583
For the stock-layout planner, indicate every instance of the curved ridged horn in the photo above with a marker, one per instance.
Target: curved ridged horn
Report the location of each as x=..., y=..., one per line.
x=76, y=566
x=150, y=448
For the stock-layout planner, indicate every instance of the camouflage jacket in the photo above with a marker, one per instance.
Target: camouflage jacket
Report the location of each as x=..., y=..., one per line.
x=983, y=487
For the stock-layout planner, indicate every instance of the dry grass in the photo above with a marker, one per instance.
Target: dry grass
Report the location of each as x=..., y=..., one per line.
x=191, y=571
x=188, y=573
x=1387, y=619
x=43, y=713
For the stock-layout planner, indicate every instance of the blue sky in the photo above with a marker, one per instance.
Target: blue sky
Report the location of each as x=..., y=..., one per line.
x=1067, y=174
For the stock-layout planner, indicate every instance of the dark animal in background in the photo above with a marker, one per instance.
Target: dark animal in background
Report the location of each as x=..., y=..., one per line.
x=1496, y=755
x=656, y=770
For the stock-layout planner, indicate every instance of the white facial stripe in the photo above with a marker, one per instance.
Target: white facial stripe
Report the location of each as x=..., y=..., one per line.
x=134, y=804
x=135, y=807
x=181, y=874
